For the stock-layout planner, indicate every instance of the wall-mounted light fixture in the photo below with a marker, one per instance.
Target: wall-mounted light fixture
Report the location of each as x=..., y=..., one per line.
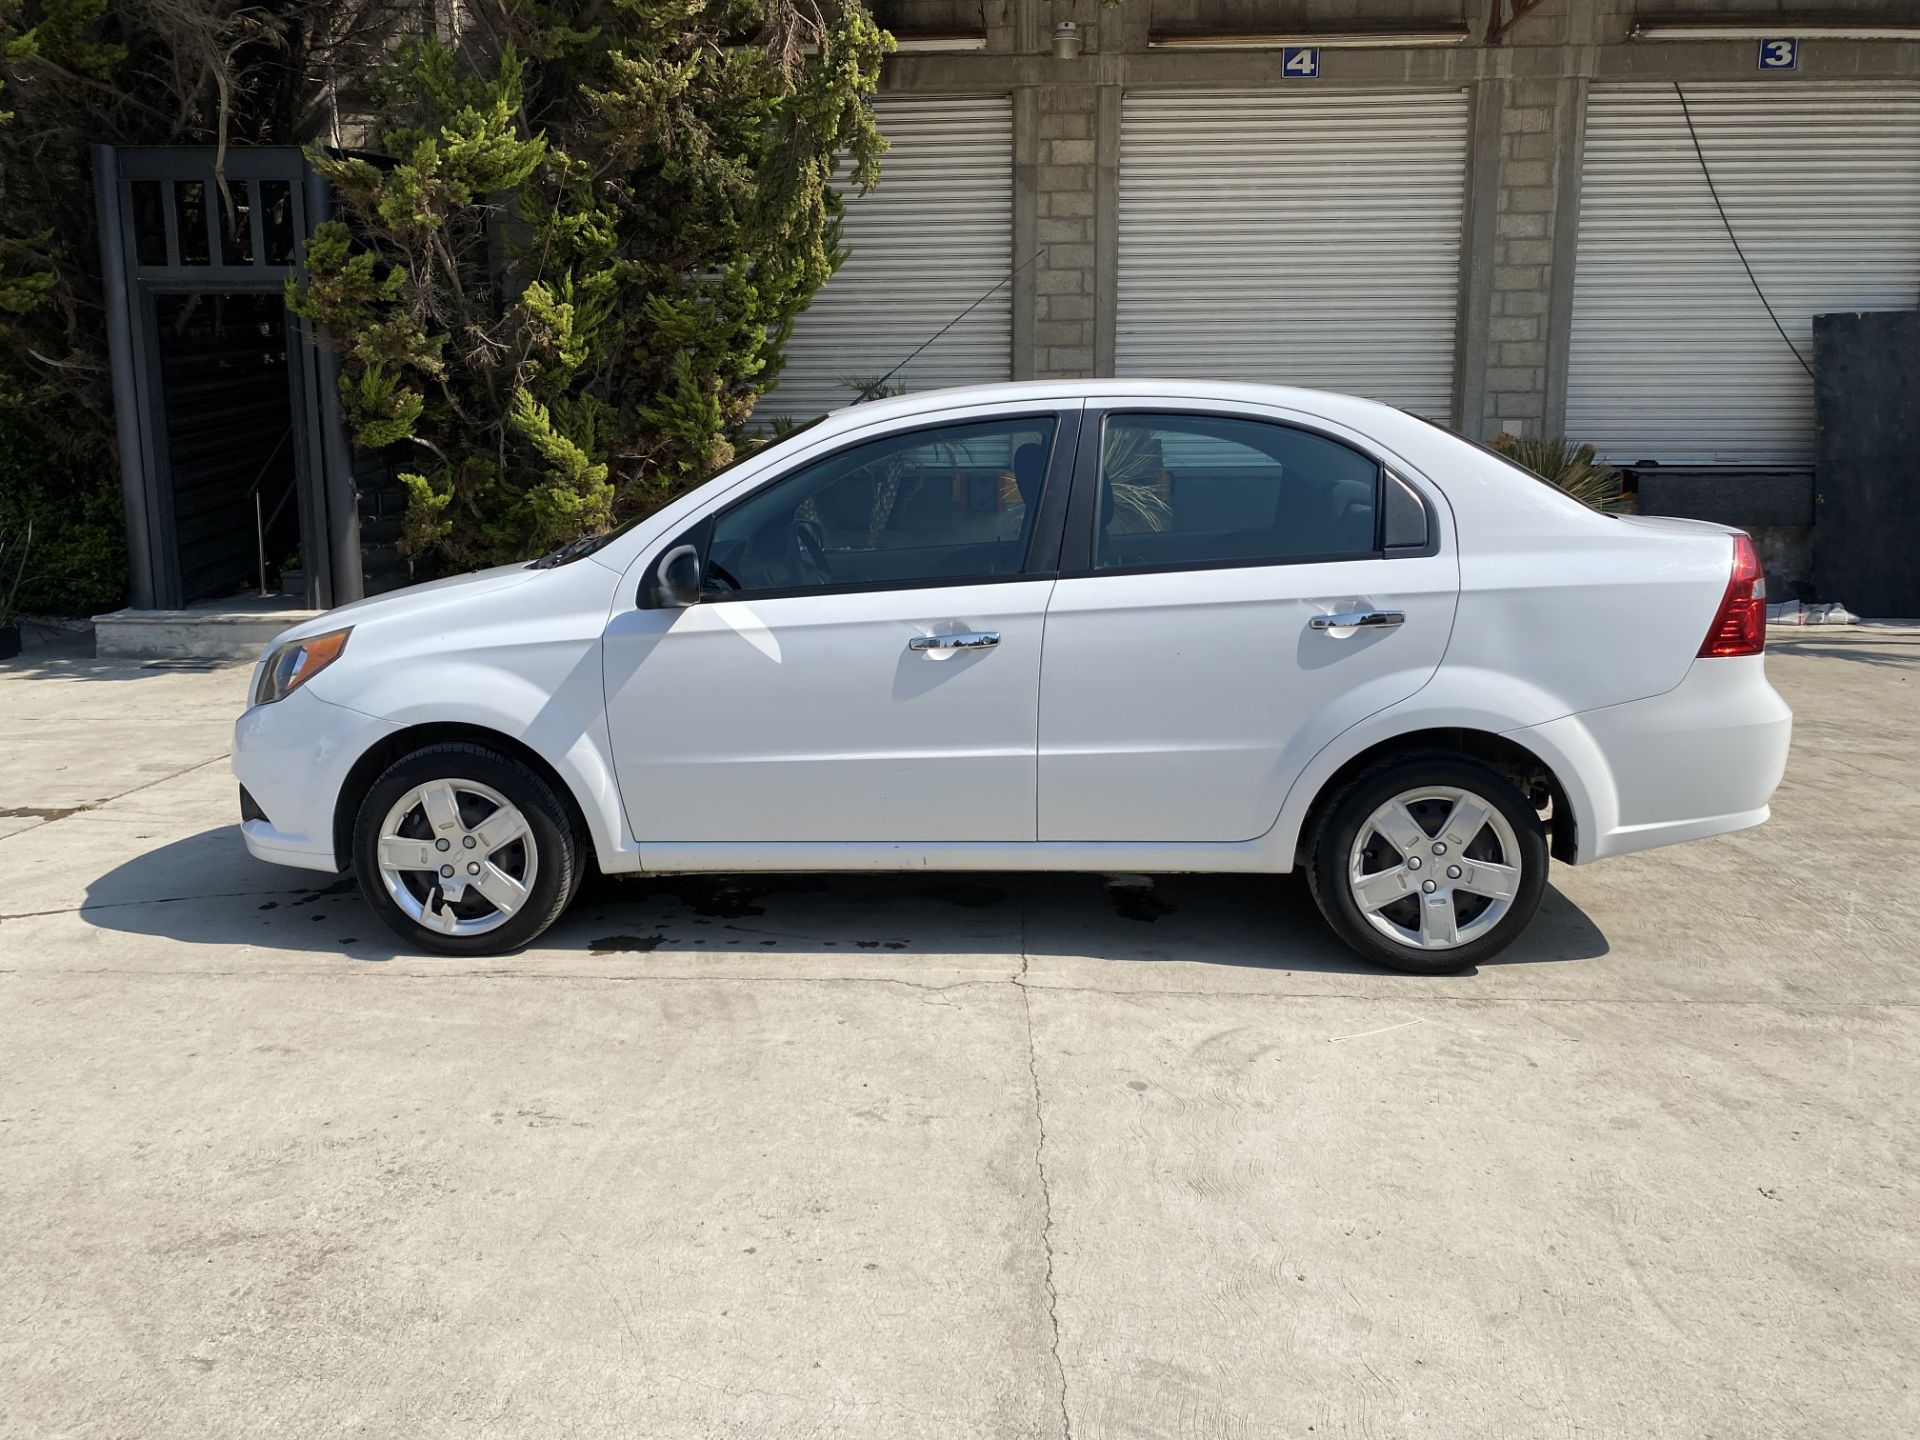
x=1354, y=40
x=1067, y=41
x=1785, y=25
x=938, y=42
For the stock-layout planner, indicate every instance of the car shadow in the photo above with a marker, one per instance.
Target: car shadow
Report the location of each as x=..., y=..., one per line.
x=1886, y=651
x=206, y=890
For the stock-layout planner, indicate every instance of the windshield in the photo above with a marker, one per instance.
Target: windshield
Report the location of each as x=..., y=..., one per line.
x=586, y=545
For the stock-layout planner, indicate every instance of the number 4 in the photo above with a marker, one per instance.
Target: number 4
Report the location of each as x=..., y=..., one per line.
x=1300, y=60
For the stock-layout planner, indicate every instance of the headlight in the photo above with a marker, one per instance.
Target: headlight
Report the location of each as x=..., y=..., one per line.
x=296, y=662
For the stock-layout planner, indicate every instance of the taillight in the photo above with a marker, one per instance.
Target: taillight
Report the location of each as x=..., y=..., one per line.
x=1740, y=626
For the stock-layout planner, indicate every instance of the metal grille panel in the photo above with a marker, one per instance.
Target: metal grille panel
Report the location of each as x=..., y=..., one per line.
x=928, y=241
x=1304, y=238
x=1672, y=355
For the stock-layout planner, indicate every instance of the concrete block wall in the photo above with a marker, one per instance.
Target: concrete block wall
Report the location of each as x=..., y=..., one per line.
x=1530, y=116
x=1528, y=102
x=1063, y=272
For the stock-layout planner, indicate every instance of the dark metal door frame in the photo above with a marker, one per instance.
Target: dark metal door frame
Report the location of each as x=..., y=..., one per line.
x=329, y=519
x=307, y=496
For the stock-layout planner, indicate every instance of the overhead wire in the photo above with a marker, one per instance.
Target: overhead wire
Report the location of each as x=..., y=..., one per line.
x=879, y=387
x=1714, y=190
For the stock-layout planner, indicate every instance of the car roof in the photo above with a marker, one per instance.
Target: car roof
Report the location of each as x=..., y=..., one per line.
x=1483, y=486
x=1329, y=403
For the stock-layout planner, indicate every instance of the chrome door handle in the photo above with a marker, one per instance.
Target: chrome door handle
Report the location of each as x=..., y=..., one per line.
x=972, y=640
x=1359, y=620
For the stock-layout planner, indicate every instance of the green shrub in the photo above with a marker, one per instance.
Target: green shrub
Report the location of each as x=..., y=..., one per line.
x=77, y=564
x=572, y=271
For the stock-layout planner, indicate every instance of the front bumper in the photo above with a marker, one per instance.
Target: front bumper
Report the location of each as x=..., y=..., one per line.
x=293, y=757
x=1703, y=759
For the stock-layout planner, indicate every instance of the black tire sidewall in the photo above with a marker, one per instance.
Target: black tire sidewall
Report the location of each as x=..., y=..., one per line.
x=556, y=877
x=1328, y=860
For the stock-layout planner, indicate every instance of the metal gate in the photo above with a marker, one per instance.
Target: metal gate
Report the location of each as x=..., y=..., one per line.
x=231, y=474
x=221, y=400
x=1303, y=239
x=1673, y=357
x=933, y=237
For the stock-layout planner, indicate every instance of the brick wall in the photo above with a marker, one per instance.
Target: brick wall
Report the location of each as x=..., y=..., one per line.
x=1063, y=276
x=1523, y=236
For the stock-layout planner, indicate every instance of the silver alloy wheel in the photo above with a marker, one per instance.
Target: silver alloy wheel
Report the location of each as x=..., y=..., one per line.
x=1434, y=868
x=457, y=856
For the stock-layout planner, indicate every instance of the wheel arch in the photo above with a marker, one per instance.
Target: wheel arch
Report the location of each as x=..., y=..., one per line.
x=1529, y=773
x=400, y=743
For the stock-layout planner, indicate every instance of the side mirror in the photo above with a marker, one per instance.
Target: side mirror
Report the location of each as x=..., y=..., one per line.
x=676, y=579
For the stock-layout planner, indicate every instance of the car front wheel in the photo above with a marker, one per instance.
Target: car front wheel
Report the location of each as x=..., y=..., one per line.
x=465, y=851
x=1429, y=864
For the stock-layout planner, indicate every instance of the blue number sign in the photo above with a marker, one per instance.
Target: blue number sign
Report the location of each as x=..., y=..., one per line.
x=1779, y=54
x=1301, y=61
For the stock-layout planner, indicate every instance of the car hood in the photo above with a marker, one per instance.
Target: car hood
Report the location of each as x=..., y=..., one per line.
x=399, y=603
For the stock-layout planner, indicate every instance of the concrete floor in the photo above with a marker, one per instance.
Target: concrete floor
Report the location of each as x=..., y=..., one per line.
x=950, y=1156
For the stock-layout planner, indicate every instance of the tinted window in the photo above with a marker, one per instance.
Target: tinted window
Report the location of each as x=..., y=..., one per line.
x=953, y=503
x=1196, y=489
x=1406, y=527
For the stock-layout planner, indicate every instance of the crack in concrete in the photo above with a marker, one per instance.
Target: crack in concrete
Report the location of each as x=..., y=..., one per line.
x=1040, y=1168
x=50, y=815
x=150, y=900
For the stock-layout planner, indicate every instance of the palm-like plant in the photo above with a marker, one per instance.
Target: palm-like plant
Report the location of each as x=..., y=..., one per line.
x=1133, y=467
x=1571, y=467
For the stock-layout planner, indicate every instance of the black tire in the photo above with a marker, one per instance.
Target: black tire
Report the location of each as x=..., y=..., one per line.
x=558, y=846
x=1330, y=850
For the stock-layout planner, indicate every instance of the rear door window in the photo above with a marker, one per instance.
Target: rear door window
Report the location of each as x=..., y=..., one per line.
x=1203, y=490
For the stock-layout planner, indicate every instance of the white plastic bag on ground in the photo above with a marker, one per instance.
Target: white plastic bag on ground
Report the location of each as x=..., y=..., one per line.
x=1794, y=613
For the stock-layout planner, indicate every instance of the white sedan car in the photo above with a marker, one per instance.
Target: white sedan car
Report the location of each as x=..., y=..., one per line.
x=1101, y=625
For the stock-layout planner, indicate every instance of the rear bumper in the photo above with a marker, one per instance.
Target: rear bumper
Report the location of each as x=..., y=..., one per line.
x=292, y=757
x=1703, y=759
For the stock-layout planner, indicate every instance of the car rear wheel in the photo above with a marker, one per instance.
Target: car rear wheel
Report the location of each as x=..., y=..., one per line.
x=1429, y=864
x=465, y=851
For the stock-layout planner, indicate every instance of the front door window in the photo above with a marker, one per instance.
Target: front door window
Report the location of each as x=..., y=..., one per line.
x=940, y=506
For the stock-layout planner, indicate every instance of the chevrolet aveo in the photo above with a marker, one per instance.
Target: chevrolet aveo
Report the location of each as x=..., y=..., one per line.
x=1105, y=626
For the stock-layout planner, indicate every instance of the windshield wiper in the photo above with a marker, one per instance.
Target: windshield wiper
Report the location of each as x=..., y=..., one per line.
x=573, y=550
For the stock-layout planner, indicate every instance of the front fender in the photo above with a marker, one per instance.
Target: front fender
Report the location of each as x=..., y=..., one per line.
x=526, y=665
x=566, y=727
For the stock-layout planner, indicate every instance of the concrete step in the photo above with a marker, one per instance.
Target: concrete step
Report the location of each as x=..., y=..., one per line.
x=210, y=634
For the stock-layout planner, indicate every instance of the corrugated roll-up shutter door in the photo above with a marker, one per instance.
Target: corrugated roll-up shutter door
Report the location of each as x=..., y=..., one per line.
x=1308, y=238
x=1672, y=355
x=928, y=241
